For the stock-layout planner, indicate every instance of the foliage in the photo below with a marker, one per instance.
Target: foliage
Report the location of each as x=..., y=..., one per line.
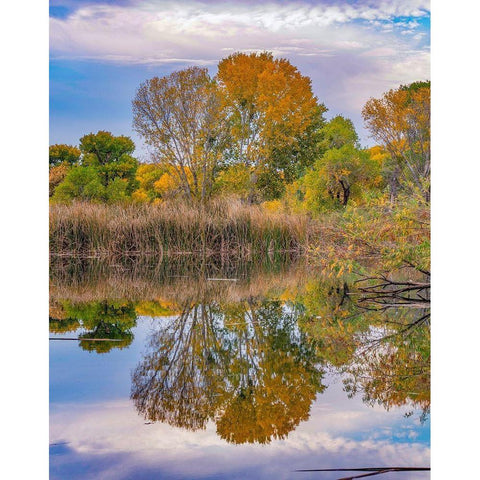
x=105, y=147
x=400, y=121
x=395, y=237
x=59, y=154
x=180, y=117
x=107, y=172
x=82, y=183
x=272, y=113
x=337, y=132
x=56, y=175
x=234, y=179
x=340, y=174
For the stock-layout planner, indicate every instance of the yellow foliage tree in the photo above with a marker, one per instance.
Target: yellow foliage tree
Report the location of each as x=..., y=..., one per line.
x=180, y=117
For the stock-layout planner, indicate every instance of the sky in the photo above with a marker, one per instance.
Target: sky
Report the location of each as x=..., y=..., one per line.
x=101, y=51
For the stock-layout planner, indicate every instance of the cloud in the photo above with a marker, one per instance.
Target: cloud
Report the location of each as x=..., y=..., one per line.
x=150, y=32
x=351, y=50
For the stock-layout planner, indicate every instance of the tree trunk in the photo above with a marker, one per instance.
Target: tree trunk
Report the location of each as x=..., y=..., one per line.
x=346, y=192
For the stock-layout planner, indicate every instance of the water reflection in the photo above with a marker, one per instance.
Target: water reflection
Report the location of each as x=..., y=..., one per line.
x=245, y=365
x=105, y=324
x=248, y=350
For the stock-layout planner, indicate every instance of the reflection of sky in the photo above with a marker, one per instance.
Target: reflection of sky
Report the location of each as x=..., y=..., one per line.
x=97, y=433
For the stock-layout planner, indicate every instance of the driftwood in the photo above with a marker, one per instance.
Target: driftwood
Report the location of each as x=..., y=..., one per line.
x=386, y=293
x=89, y=339
x=370, y=471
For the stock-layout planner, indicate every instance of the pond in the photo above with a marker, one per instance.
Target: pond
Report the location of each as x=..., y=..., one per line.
x=216, y=369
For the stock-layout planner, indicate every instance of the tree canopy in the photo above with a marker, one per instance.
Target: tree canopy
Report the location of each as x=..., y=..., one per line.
x=180, y=117
x=400, y=121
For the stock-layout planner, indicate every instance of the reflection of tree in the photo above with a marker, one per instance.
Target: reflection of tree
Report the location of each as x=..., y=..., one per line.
x=103, y=321
x=376, y=333
x=394, y=369
x=58, y=319
x=246, y=366
x=180, y=380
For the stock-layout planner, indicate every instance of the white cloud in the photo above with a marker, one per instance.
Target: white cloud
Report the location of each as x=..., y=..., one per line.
x=158, y=31
x=352, y=51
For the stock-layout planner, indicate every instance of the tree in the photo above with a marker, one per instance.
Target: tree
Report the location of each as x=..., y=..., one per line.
x=337, y=132
x=180, y=117
x=107, y=170
x=111, y=156
x=337, y=175
x=105, y=147
x=82, y=183
x=147, y=175
x=56, y=175
x=400, y=121
x=59, y=154
x=272, y=114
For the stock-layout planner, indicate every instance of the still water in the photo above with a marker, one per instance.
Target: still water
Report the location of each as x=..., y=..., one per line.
x=232, y=371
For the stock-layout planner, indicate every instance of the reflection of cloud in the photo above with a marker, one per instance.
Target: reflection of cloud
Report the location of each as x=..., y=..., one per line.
x=339, y=432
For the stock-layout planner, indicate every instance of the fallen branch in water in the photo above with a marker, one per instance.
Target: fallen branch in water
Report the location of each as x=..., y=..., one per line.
x=371, y=471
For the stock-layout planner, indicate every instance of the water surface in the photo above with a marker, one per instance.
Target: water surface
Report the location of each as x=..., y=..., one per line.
x=218, y=370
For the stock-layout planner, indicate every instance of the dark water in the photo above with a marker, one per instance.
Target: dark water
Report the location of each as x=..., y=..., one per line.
x=232, y=371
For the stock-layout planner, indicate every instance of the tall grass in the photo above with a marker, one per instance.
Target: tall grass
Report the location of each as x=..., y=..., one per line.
x=221, y=227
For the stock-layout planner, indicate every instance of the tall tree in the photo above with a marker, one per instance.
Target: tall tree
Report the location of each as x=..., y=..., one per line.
x=272, y=112
x=180, y=117
x=400, y=121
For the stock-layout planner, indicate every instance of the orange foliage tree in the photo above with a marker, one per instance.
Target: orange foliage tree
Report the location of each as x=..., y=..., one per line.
x=272, y=113
x=400, y=121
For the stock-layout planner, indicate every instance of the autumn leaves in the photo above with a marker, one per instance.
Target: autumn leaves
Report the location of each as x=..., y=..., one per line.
x=249, y=115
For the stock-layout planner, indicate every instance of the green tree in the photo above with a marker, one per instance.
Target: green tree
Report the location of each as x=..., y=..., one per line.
x=107, y=172
x=82, y=183
x=339, y=174
x=63, y=154
x=105, y=147
x=111, y=156
x=337, y=132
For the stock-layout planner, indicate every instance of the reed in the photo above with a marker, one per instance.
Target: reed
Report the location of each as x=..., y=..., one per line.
x=220, y=227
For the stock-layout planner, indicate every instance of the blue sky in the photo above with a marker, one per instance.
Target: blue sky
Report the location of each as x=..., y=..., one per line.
x=101, y=51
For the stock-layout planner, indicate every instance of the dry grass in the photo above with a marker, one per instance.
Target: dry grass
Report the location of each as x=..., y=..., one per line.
x=223, y=226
